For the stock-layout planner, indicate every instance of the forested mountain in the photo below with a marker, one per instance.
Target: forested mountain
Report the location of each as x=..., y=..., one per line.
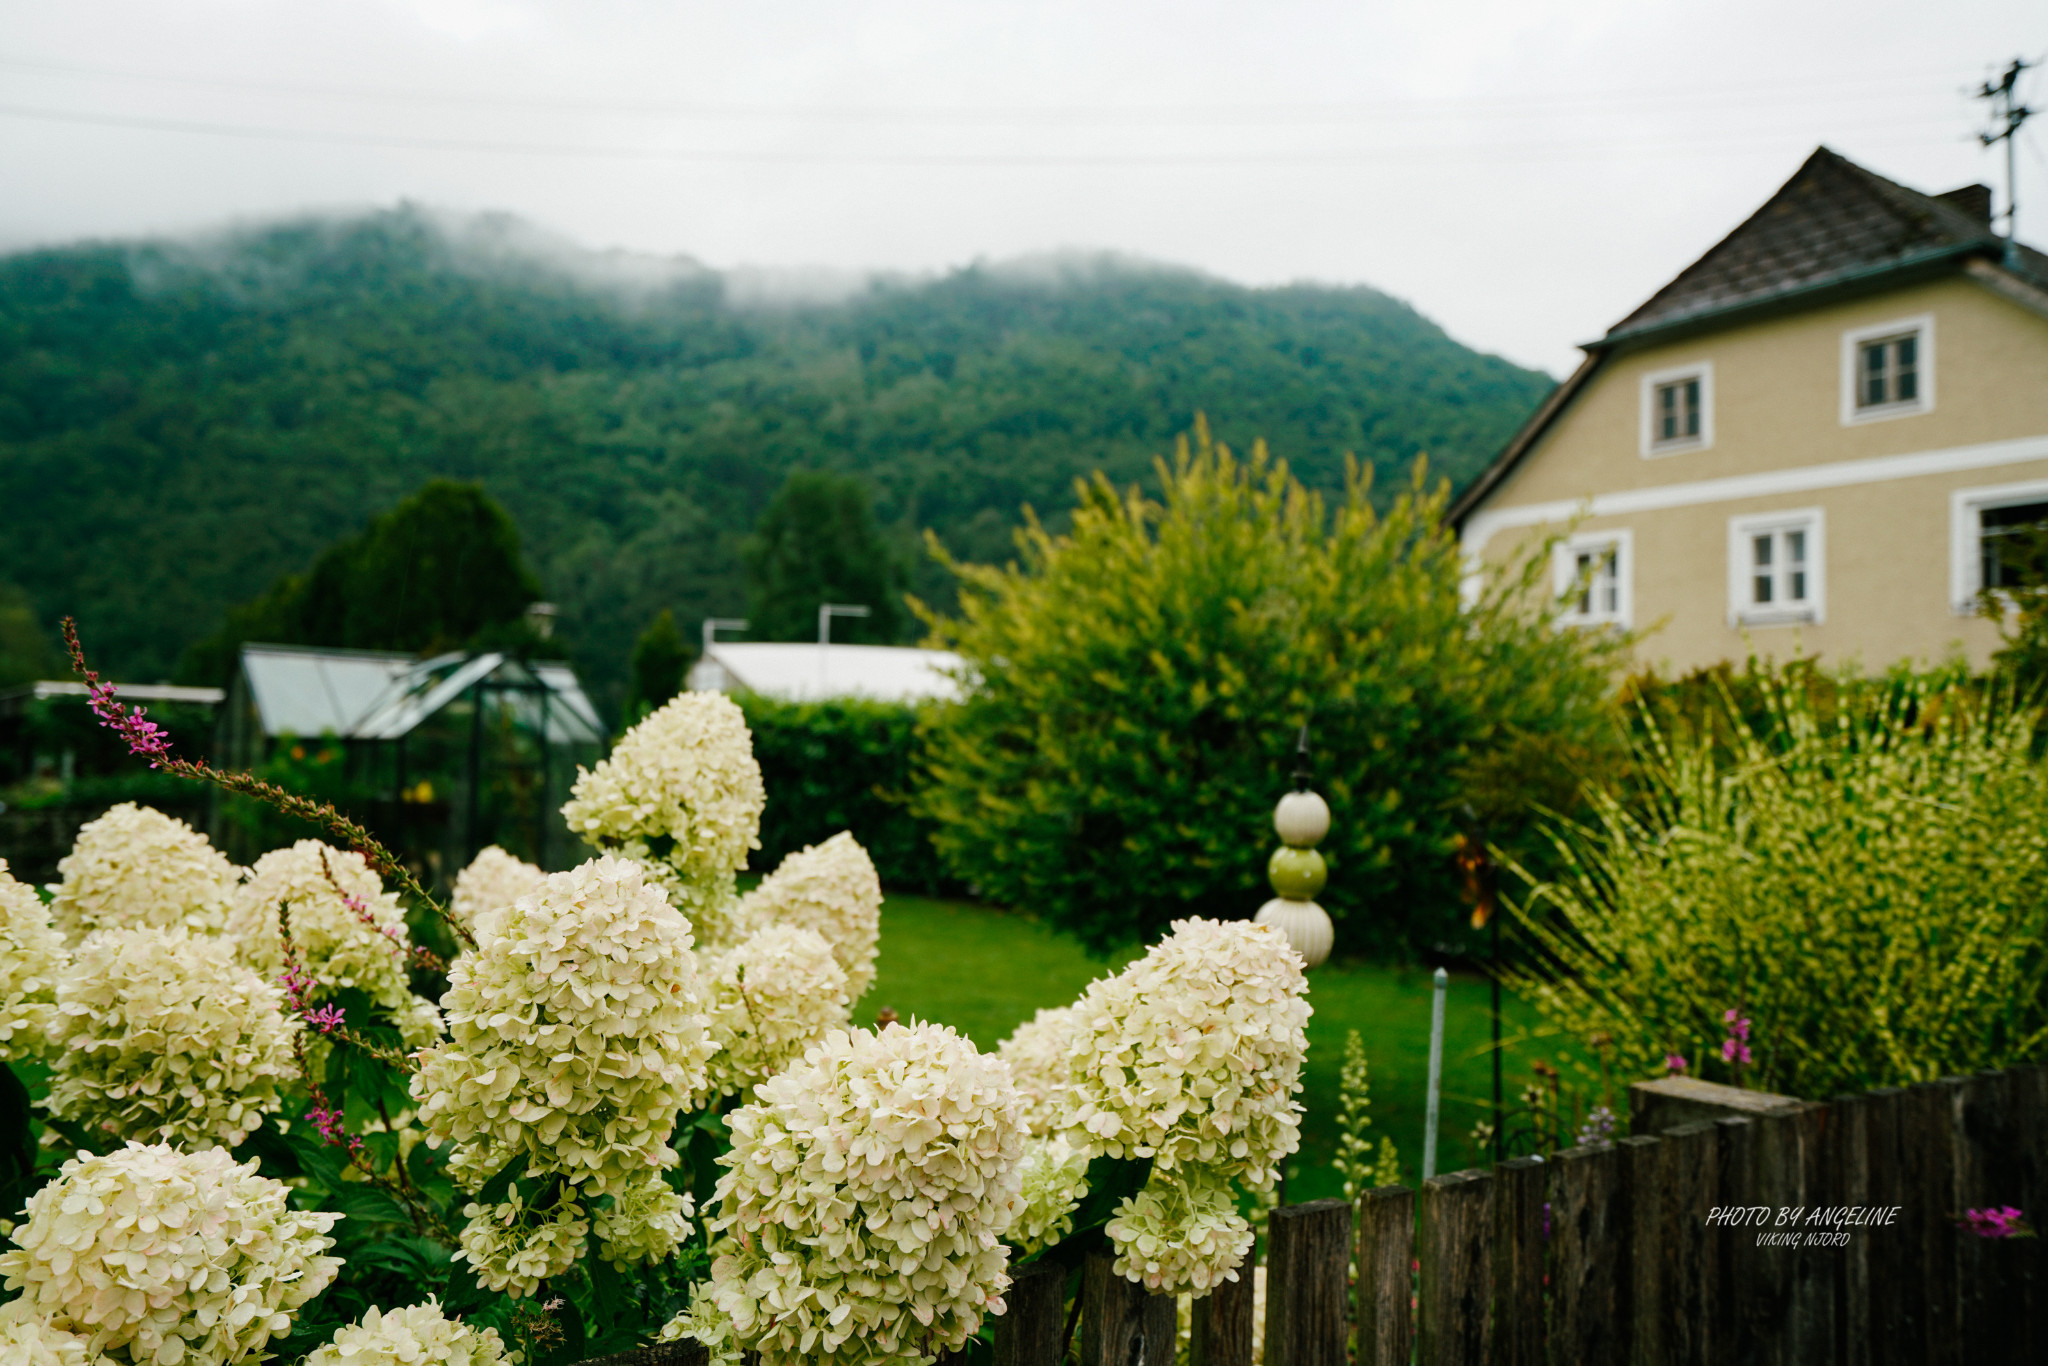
x=180, y=422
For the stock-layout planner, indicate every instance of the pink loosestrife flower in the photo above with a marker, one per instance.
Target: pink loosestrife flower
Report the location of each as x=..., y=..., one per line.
x=1674, y=1062
x=2003, y=1222
x=1735, y=1048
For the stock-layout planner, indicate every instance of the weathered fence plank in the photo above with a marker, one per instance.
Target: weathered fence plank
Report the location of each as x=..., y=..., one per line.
x=1642, y=1178
x=1220, y=1327
x=1122, y=1325
x=1308, y=1251
x=1814, y=1270
x=2029, y=1100
x=1691, y=1276
x=1386, y=1251
x=1848, y=1186
x=1455, y=1325
x=1986, y=1279
x=1520, y=1230
x=1739, y=1260
x=1894, y=1255
x=1927, y=1143
x=1588, y=1251
x=1030, y=1330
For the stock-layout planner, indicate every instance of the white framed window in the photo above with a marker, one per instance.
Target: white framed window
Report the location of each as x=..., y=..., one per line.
x=1987, y=526
x=1888, y=370
x=1777, y=568
x=1592, y=574
x=1677, y=410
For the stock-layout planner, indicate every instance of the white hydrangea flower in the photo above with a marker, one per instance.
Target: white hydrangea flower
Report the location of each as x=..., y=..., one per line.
x=1192, y=1055
x=686, y=774
x=1181, y=1233
x=577, y=1033
x=1055, y=1177
x=335, y=945
x=513, y=1248
x=26, y=1340
x=831, y=888
x=710, y=901
x=1037, y=1053
x=163, y=1258
x=31, y=956
x=417, y=1335
x=493, y=881
x=645, y=1223
x=162, y=1034
x=867, y=1192
x=773, y=997
x=137, y=866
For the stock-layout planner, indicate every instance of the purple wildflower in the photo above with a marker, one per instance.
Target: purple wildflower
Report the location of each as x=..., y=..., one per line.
x=145, y=737
x=1674, y=1062
x=329, y=1123
x=1735, y=1048
x=2003, y=1222
x=326, y=1019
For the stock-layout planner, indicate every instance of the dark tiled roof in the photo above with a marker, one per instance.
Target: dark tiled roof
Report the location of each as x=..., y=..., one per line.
x=1832, y=221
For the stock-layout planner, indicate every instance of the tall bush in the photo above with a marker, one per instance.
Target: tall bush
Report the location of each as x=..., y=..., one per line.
x=846, y=764
x=1869, y=888
x=1135, y=687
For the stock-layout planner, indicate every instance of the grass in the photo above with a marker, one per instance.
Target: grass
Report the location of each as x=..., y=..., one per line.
x=984, y=972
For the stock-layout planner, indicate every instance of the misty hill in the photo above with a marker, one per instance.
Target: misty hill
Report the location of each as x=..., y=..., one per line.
x=180, y=422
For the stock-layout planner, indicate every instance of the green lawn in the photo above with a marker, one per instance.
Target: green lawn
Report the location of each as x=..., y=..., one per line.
x=984, y=972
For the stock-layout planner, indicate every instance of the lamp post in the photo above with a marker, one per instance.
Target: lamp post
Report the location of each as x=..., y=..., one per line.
x=1297, y=871
x=827, y=611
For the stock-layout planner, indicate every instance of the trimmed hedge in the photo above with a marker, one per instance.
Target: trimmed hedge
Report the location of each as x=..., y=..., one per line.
x=843, y=765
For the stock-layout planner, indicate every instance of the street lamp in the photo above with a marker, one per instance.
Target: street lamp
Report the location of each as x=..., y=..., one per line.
x=1297, y=871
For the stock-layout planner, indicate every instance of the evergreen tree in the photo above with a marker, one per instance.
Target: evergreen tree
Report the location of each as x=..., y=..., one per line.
x=817, y=543
x=660, y=659
x=439, y=571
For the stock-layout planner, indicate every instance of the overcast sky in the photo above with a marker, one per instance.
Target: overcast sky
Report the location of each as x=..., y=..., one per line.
x=1522, y=171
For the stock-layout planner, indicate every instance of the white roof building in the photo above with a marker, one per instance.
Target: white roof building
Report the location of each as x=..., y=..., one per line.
x=817, y=673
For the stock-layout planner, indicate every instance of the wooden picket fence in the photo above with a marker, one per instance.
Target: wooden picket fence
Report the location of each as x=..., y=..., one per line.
x=1604, y=1256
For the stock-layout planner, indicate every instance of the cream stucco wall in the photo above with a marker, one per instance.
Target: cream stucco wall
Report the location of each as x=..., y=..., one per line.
x=1885, y=488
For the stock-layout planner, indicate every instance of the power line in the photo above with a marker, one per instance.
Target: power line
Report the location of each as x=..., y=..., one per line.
x=1745, y=95
x=1549, y=149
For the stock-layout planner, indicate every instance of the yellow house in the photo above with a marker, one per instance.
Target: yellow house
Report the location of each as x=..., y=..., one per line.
x=1814, y=436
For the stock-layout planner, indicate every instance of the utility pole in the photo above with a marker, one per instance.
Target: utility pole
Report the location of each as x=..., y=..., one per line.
x=2007, y=115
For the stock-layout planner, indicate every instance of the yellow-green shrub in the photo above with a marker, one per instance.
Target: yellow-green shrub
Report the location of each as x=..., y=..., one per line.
x=1870, y=889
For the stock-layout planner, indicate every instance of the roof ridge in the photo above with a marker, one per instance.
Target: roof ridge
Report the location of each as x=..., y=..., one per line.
x=1831, y=219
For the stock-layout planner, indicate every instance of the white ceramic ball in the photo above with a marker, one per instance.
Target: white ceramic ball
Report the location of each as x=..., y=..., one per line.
x=1306, y=925
x=1302, y=819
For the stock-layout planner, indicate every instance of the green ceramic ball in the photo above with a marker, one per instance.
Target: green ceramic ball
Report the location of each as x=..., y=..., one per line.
x=1297, y=874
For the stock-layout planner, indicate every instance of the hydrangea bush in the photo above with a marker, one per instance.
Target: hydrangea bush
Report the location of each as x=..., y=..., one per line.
x=418, y=1335
x=647, y=1099
x=772, y=997
x=864, y=1200
x=578, y=1031
x=347, y=932
x=682, y=787
x=162, y=1034
x=830, y=888
x=165, y=1258
x=31, y=956
x=493, y=880
x=137, y=866
x=1188, y=1062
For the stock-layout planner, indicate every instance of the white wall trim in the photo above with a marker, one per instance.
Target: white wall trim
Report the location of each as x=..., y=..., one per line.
x=1923, y=323
x=1563, y=575
x=1481, y=526
x=1965, y=524
x=1647, y=444
x=1741, y=612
